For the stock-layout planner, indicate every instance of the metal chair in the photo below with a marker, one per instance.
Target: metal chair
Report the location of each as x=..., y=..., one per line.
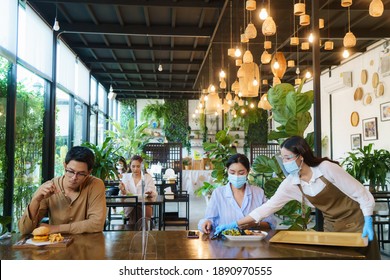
x=173, y=213
x=120, y=201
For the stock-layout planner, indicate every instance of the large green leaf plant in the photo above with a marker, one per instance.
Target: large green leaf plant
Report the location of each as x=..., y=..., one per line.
x=369, y=165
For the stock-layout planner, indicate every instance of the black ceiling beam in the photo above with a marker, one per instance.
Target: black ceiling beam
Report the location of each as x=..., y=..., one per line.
x=142, y=61
x=156, y=89
x=159, y=81
x=138, y=47
x=144, y=72
x=142, y=3
x=136, y=30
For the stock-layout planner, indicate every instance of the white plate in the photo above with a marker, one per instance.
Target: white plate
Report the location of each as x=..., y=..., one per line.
x=37, y=243
x=247, y=237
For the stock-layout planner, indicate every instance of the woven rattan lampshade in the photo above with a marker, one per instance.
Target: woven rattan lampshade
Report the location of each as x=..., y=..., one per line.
x=275, y=81
x=346, y=3
x=248, y=57
x=299, y=9
x=328, y=45
x=229, y=96
x=291, y=63
x=265, y=57
x=244, y=39
x=250, y=31
x=264, y=82
x=269, y=27
x=250, y=72
x=305, y=46
x=213, y=104
x=294, y=41
x=238, y=62
x=235, y=86
x=297, y=81
x=222, y=84
x=231, y=52
x=376, y=8
x=267, y=45
x=304, y=20
x=250, y=5
x=321, y=23
x=279, y=57
x=349, y=40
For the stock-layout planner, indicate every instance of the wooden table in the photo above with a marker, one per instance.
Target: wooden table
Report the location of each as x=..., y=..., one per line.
x=174, y=245
x=157, y=201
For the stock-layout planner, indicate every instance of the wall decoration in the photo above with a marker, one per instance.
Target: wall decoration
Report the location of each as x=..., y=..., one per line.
x=354, y=118
x=385, y=111
x=364, y=76
x=370, y=129
x=356, y=141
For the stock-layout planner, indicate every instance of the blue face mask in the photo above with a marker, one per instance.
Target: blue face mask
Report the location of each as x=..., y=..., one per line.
x=237, y=181
x=292, y=167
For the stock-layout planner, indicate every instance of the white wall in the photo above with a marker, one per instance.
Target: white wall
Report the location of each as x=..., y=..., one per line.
x=337, y=105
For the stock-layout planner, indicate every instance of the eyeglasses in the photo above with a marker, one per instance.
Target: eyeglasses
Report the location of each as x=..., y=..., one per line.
x=288, y=157
x=71, y=173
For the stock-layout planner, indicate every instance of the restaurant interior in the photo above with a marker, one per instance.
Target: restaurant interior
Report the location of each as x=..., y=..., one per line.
x=186, y=84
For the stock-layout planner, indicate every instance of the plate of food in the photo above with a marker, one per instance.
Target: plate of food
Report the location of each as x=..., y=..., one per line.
x=244, y=235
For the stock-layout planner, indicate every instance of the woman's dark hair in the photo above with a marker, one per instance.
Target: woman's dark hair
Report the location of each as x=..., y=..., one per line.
x=136, y=157
x=81, y=154
x=239, y=158
x=299, y=146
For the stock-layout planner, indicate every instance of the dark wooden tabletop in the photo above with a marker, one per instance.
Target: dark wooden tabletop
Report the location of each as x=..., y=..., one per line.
x=122, y=245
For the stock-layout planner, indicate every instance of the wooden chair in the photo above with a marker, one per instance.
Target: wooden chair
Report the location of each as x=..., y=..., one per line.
x=120, y=201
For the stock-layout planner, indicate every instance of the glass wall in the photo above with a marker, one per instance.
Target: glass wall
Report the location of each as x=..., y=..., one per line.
x=3, y=110
x=78, y=123
x=29, y=136
x=62, y=130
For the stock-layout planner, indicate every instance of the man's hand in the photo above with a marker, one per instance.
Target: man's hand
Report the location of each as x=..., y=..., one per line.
x=52, y=228
x=46, y=190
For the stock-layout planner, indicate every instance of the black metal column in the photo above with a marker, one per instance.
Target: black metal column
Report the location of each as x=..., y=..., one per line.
x=317, y=94
x=49, y=121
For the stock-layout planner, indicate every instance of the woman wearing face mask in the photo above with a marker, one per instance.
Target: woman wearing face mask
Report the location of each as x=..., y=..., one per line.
x=346, y=204
x=236, y=199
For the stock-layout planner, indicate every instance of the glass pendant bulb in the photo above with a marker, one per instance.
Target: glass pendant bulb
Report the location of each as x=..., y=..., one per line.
x=263, y=14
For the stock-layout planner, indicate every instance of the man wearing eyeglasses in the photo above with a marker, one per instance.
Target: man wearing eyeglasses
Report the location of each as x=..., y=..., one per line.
x=74, y=202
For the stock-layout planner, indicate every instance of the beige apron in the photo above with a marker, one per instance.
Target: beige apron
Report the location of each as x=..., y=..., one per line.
x=341, y=213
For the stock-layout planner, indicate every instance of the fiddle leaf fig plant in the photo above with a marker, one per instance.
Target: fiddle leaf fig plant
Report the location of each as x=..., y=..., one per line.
x=370, y=166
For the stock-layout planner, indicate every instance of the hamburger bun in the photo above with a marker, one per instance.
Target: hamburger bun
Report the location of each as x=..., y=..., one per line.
x=41, y=234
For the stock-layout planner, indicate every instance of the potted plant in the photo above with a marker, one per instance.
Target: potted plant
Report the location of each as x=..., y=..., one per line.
x=370, y=166
x=105, y=159
x=187, y=161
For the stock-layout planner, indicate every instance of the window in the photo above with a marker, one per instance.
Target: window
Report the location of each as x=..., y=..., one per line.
x=62, y=130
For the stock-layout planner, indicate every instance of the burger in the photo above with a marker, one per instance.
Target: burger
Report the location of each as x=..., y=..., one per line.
x=41, y=234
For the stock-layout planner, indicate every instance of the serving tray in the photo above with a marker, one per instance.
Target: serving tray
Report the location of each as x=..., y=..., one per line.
x=27, y=243
x=346, y=239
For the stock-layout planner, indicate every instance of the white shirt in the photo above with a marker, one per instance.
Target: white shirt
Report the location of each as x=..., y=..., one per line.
x=130, y=187
x=288, y=190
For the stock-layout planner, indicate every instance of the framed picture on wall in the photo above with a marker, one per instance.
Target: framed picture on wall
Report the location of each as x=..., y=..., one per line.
x=385, y=111
x=370, y=129
x=356, y=141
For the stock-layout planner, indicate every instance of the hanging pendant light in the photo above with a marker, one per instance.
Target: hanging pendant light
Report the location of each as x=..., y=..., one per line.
x=244, y=39
x=346, y=3
x=213, y=103
x=263, y=14
x=267, y=45
x=250, y=31
x=291, y=63
x=235, y=86
x=229, y=96
x=265, y=57
x=111, y=93
x=249, y=72
x=376, y=8
x=349, y=40
x=321, y=23
x=56, y=25
x=250, y=5
x=280, y=60
x=299, y=9
x=248, y=57
x=238, y=62
x=269, y=27
x=328, y=46
x=222, y=84
x=305, y=46
x=304, y=20
x=294, y=41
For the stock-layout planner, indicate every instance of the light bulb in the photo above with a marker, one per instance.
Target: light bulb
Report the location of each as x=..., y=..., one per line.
x=263, y=14
x=222, y=74
x=239, y=94
x=243, y=111
x=308, y=75
x=237, y=52
x=229, y=102
x=193, y=115
x=212, y=88
x=252, y=105
x=255, y=83
x=160, y=68
x=196, y=111
x=297, y=71
x=206, y=98
x=311, y=38
x=56, y=25
x=345, y=53
x=216, y=113
x=276, y=65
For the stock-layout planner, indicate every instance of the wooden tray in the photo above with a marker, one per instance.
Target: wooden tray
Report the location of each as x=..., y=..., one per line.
x=22, y=244
x=346, y=239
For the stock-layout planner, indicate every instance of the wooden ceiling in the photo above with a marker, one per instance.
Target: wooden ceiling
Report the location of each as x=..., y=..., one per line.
x=124, y=42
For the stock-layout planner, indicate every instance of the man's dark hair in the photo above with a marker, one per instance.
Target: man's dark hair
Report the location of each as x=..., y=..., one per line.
x=81, y=154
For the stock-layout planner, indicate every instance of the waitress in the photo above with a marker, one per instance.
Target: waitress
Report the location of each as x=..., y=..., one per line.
x=347, y=206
